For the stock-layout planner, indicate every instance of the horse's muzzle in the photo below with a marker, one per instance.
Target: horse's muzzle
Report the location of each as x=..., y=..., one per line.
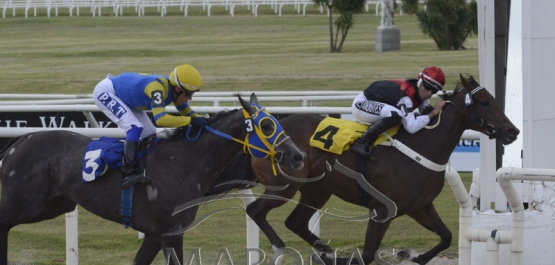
x=508, y=136
x=293, y=162
x=298, y=160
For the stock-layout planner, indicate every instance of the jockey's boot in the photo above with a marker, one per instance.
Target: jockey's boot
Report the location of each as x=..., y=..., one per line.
x=363, y=146
x=129, y=167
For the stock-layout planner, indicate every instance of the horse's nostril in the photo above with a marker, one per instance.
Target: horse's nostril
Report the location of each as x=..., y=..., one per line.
x=513, y=132
x=299, y=158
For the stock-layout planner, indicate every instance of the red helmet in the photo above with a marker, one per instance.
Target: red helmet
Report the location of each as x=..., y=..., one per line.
x=433, y=78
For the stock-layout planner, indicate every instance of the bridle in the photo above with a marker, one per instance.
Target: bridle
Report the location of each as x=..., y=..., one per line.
x=489, y=128
x=256, y=143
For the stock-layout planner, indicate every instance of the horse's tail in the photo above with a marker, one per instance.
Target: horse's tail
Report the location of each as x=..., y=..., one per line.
x=10, y=143
x=238, y=174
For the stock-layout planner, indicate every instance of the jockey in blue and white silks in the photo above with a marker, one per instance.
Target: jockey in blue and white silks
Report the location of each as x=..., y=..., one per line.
x=125, y=97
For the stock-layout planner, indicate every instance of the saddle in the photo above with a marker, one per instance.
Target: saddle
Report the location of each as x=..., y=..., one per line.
x=336, y=135
x=107, y=153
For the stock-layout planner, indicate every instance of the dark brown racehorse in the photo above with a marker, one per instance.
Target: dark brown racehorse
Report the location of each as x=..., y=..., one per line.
x=410, y=186
x=41, y=178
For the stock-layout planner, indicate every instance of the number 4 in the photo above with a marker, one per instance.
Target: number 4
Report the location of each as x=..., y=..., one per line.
x=326, y=136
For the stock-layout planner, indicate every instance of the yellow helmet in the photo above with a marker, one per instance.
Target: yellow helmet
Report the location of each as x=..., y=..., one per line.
x=186, y=77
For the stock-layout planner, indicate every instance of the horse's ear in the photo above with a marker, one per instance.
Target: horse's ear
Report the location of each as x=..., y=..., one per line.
x=472, y=80
x=465, y=82
x=254, y=99
x=246, y=105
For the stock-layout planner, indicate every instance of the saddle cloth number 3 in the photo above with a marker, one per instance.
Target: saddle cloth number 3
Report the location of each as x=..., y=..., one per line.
x=90, y=162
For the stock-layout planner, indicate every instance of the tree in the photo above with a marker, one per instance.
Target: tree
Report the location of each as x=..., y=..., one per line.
x=448, y=22
x=347, y=9
x=410, y=6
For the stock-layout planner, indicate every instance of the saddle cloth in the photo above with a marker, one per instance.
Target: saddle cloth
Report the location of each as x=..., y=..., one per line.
x=103, y=154
x=336, y=135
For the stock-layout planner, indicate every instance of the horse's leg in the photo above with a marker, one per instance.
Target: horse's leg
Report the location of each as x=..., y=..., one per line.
x=6, y=223
x=258, y=210
x=428, y=218
x=374, y=235
x=149, y=249
x=313, y=197
x=173, y=249
x=4, y=245
x=27, y=202
x=53, y=208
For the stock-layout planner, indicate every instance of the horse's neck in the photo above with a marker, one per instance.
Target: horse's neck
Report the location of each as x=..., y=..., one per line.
x=437, y=144
x=217, y=151
x=207, y=156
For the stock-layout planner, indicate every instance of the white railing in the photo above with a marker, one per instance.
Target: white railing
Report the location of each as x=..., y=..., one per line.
x=161, y=6
x=494, y=237
x=305, y=100
x=139, y=6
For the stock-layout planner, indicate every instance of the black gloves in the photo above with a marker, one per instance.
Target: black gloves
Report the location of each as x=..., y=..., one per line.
x=199, y=121
x=425, y=110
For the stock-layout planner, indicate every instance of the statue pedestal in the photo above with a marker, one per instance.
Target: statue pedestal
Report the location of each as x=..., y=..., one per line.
x=388, y=39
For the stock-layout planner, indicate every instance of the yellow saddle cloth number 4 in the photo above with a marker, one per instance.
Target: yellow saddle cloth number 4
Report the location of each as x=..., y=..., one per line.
x=336, y=135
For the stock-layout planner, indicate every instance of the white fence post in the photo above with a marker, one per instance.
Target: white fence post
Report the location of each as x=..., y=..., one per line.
x=72, y=232
x=252, y=229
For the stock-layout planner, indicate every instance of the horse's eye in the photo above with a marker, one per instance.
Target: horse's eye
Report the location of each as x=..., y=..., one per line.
x=485, y=103
x=267, y=127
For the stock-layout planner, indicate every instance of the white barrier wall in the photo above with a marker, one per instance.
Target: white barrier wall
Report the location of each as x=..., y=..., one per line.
x=529, y=106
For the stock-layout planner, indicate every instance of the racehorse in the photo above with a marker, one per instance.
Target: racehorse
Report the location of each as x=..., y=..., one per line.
x=41, y=177
x=406, y=186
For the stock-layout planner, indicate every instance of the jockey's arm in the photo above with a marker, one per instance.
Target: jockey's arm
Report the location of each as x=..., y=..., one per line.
x=158, y=93
x=411, y=122
x=186, y=110
x=415, y=123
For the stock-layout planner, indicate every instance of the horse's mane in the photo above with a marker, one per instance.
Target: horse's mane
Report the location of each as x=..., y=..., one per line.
x=180, y=133
x=451, y=95
x=458, y=87
x=445, y=96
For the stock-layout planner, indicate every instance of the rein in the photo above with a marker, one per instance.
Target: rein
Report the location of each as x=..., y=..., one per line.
x=490, y=129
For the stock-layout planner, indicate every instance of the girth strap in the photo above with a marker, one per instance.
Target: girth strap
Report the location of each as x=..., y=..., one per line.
x=127, y=206
x=127, y=194
x=363, y=196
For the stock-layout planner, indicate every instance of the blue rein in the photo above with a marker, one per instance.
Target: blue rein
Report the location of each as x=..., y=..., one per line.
x=214, y=131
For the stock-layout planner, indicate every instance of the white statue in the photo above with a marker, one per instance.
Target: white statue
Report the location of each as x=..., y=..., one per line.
x=387, y=8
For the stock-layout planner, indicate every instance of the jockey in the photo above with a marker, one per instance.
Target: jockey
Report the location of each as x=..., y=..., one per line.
x=124, y=98
x=386, y=103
